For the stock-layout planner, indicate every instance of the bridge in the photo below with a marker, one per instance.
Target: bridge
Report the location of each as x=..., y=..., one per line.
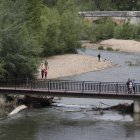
x=109, y=13
x=122, y=16
x=75, y=89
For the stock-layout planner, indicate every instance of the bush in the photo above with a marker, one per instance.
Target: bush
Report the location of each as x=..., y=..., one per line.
x=118, y=32
x=136, y=32
x=127, y=31
x=100, y=48
x=93, y=39
x=117, y=50
x=109, y=49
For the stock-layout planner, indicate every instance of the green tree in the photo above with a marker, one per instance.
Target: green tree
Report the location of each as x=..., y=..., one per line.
x=63, y=29
x=118, y=30
x=19, y=43
x=127, y=32
x=137, y=32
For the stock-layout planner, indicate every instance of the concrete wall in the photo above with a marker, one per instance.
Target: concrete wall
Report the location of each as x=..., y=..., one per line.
x=136, y=106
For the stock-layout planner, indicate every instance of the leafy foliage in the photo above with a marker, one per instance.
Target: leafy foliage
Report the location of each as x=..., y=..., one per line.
x=63, y=29
x=33, y=28
x=19, y=44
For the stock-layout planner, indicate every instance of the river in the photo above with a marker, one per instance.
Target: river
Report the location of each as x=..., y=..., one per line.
x=71, y=118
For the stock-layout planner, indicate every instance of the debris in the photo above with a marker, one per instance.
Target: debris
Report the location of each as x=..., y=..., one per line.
x=18, y=109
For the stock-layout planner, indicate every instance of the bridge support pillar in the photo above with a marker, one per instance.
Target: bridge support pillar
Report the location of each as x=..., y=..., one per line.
x=136, y=117
x=136, y=106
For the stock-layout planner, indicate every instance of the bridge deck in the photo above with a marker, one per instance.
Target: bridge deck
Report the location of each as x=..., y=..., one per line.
x=76, y=89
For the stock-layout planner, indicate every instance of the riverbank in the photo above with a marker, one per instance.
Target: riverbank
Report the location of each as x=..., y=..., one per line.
x=116, y=44
x=73, y=64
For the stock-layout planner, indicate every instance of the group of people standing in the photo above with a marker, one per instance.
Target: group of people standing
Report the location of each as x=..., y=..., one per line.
x=131, y=86
x=44, y=70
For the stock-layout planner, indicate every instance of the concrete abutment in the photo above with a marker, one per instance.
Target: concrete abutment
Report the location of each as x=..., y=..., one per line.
x=137, y=106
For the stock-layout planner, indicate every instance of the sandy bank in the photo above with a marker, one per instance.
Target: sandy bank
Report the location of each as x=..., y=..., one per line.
x=72, y=64
x=117, y=44
x=122, y=45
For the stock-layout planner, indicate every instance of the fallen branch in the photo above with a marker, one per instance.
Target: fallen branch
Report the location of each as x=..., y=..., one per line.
x=18, y=109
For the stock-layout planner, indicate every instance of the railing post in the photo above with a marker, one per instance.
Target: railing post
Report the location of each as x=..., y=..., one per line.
x=116, y=88
x=99, y=87
x=48, y=85
x=64, y=86
x=83, y=86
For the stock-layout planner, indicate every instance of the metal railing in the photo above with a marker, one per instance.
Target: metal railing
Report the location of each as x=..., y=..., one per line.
x=70, y=86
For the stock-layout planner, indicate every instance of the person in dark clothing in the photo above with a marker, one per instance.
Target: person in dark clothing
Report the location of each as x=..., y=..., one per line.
x=99, y=57
x=127, y=84
x=42, y=73
x=134, y=86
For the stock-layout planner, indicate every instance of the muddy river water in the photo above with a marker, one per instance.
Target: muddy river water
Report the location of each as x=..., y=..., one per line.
x=72, y=119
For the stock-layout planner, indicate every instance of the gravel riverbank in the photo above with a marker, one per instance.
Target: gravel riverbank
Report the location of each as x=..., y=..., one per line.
x=73, y=64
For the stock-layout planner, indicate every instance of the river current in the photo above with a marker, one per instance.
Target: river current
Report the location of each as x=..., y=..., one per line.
x=73, y=118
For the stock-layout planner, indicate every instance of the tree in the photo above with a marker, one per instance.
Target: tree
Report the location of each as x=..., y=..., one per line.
x=19, y=43
x=63, y=29
x=70, y=25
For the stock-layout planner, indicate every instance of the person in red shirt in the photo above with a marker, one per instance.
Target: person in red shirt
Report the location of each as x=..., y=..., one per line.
x=45, y=72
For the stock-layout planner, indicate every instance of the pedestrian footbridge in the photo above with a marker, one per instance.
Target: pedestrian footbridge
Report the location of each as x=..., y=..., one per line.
x=74, y=89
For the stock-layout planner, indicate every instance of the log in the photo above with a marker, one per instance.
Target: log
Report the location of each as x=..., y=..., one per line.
x=18, y=109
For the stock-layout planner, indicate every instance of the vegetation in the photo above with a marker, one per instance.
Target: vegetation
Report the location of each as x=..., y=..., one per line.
x=102, y=4
x=106, y=29
x=63, y=28
x=30, y=29
x=19, y=37
x=109, y=49
x=100, y=48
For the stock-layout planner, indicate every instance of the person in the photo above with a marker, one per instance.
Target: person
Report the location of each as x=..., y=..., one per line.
x=42, y=73
x=45, y=72
x=99, y=57
x=46, y=64
x=127, y=84
x=134, y=85
x=42, y=66
x=130, y=86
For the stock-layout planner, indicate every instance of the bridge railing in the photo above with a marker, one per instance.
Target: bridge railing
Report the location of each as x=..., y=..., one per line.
x=68, y=86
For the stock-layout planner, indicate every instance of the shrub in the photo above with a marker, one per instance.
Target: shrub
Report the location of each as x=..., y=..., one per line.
x=127, y=31
x=100, y=48
x=109, y=49
x=93, y=39
x=118, y=32
x=117, y=50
